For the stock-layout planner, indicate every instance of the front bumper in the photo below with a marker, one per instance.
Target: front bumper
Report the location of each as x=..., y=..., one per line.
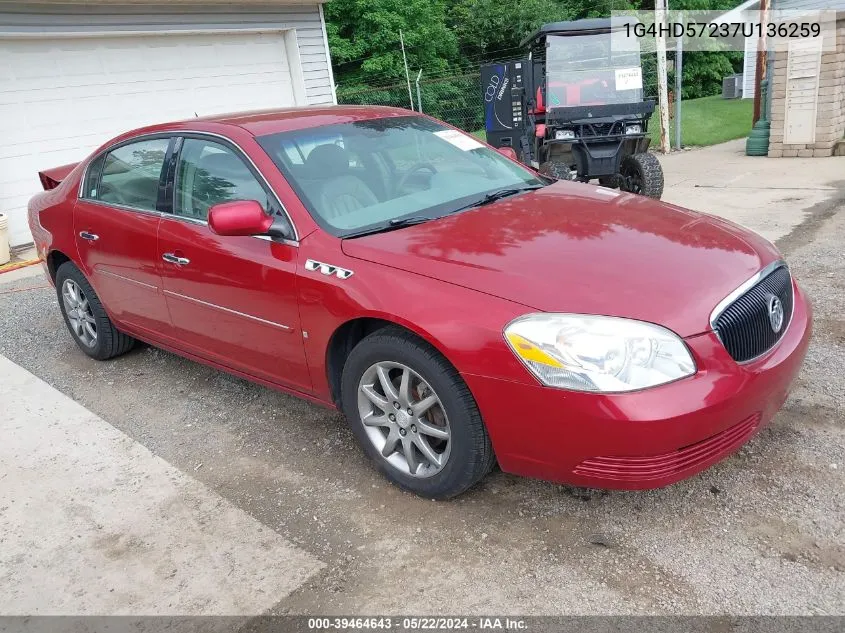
x=645, y=439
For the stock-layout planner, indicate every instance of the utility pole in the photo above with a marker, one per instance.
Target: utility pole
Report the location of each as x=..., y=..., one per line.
x=419, y=98
x=407, y=75
x=679, y=80
x=662, y=89
x=760, y=66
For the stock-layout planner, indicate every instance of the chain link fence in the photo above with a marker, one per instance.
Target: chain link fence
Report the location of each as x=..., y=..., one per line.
x=456, y=99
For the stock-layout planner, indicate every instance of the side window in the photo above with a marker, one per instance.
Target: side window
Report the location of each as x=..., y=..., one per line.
x=209, y=173
x=92, y=178
x=130, y=175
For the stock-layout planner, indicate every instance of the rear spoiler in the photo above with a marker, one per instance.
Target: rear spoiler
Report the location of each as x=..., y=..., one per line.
x=52, y=178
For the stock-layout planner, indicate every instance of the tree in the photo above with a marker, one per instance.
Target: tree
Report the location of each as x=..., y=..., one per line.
x=364, y=38
x=452, y=38
x=485, y=27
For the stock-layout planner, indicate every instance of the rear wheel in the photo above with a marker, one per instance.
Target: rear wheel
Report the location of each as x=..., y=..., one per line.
x=642, y=174
x=414, y=416
x=86, y=318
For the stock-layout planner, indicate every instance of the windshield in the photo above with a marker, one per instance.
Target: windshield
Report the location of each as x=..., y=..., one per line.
x=352, y=176
x=583, y=70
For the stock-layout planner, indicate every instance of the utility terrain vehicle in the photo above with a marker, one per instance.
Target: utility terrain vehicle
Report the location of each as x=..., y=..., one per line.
x=573, y=107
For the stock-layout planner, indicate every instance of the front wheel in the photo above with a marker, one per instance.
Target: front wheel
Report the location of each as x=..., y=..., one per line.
x=556, y=169
x=414, y=416
x=642, y=174
x=611, y=182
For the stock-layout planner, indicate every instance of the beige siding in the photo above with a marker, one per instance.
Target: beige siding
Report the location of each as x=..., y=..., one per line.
x=830, y=103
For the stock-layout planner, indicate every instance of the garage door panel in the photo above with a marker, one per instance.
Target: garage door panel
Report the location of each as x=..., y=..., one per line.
x=79, y=63
x=31, y=164
x=23, y=149
x=60, y=99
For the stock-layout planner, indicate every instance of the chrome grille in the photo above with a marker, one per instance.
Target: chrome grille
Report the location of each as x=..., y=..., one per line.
x=744, y=326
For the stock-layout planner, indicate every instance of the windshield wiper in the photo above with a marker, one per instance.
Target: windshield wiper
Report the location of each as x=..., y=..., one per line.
x=396, y=223
x=493, y=196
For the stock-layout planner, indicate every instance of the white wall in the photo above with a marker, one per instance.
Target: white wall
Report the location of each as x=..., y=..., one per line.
x=306, y=19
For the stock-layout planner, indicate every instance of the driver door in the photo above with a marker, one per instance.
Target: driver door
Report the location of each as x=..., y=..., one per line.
x=232, y=300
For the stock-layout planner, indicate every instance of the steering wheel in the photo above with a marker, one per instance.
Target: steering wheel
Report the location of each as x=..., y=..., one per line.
x=418, y=167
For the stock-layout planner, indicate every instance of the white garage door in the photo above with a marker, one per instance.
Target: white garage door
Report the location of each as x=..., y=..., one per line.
x=60, y=98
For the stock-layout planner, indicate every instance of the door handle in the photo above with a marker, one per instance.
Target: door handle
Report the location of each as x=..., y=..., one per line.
x=85, y=235
x=170, y=258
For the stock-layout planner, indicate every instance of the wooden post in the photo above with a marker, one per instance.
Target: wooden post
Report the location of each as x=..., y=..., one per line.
x=662, y=89
x=679, y=82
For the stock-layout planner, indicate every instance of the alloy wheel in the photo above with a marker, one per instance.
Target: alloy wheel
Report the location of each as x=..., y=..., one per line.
x=404, y=419
x=632, y=178
x=79, y=314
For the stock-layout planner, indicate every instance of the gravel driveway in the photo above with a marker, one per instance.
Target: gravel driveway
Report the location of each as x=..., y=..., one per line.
x=761, y=533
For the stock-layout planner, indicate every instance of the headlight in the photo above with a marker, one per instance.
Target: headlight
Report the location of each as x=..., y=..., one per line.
x=598, y=353
x=634, y=129
x=564, y=135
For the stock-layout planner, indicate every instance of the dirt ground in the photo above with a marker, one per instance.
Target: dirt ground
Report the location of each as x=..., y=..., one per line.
x=760, y=533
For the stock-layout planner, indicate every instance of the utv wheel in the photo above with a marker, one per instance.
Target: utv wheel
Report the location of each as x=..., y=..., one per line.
x=557, y=170
x=85, y=317
x=642, y=174
x=414, y=416
x=611, y=182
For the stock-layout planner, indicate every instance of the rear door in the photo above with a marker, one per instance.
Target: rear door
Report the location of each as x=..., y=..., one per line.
x=116, y=227
x=231, y=299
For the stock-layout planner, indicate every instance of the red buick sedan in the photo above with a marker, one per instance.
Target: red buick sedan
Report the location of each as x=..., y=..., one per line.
x=460, y=309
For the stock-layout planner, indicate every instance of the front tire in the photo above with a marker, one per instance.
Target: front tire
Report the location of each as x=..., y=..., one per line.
x=642, y=174
x=556, y=169
x=85, y=317
x=414, y=416
x=611, y=182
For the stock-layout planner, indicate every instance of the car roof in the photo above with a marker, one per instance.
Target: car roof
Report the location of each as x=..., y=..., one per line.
x=262, y=122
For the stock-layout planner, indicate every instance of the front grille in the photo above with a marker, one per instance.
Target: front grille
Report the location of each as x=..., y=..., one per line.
x=602, y=129
x=618, y=468
x=745, y=327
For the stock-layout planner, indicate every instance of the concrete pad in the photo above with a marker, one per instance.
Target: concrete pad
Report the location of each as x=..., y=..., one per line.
x=34, y=271
x=767, y=195
x=91, y=522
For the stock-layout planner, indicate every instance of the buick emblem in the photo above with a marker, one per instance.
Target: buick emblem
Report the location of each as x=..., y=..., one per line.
x=775, y=314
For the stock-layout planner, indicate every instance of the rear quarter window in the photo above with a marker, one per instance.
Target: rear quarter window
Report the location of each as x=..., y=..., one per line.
x=92, y=177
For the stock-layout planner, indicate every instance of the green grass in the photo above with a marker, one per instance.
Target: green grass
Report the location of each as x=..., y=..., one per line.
x=704, y=121
x=708, y=121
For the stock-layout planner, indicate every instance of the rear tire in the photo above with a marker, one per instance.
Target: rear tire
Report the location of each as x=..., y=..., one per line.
x=452, y=425
x=642, y=174
x=85, y=317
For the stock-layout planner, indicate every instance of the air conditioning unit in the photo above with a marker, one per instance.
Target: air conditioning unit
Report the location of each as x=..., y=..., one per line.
x=732, y=87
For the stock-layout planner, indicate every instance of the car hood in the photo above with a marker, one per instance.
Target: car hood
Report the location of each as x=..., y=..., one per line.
x=573, y=247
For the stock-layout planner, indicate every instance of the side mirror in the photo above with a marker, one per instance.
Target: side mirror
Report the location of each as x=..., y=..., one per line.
x=241, y=217
x=508, y=152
